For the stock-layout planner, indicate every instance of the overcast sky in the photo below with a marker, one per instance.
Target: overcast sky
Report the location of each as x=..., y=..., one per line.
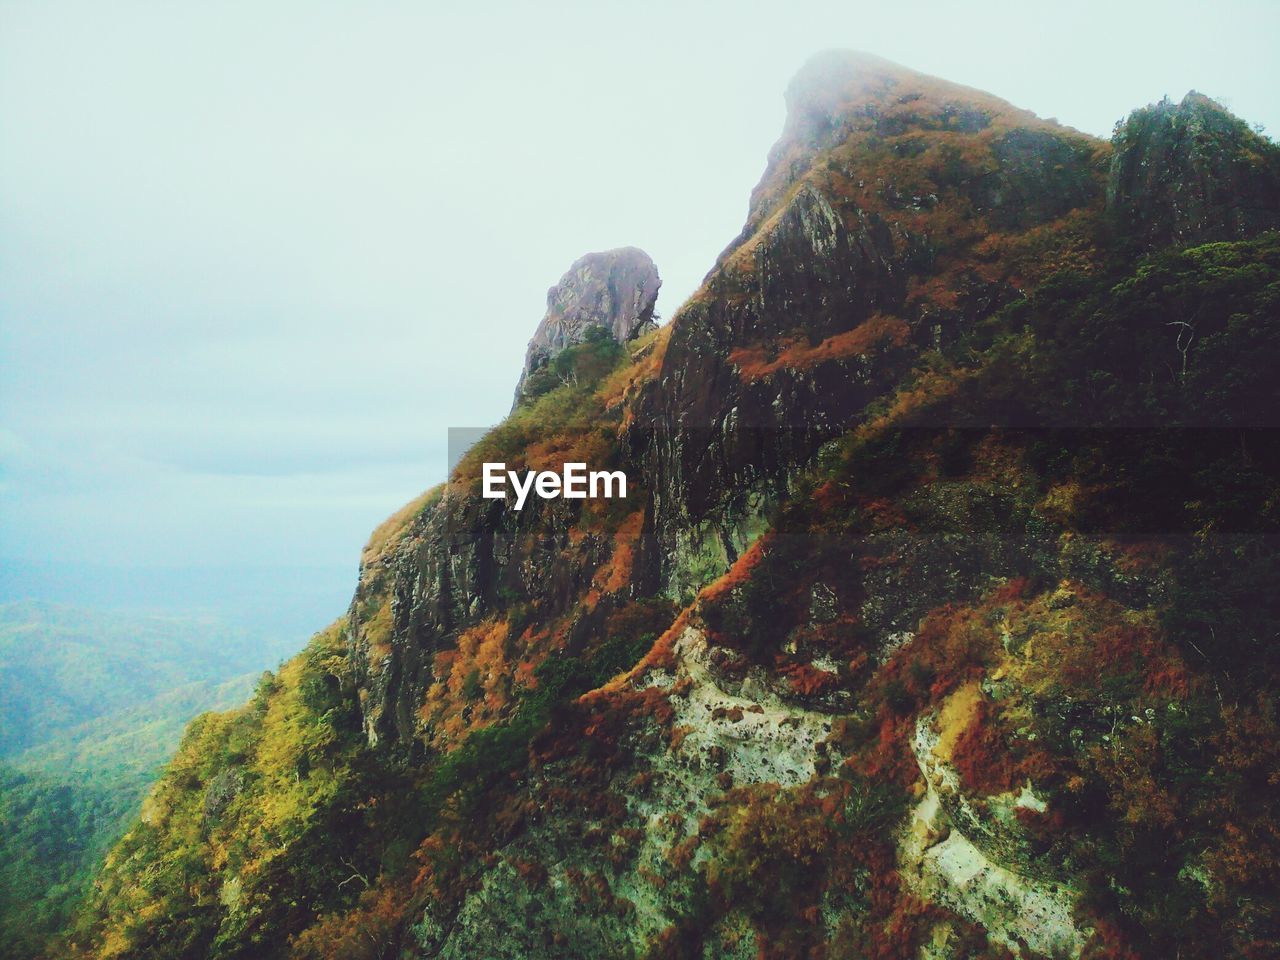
x=255, y=258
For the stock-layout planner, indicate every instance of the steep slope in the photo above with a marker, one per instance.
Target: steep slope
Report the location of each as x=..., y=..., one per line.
x=939, y=619
x=895, y=211
x=1192, y=173
x=64, y=804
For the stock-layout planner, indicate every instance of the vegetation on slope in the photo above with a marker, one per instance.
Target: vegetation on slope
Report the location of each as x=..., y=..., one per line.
x=1092, y=551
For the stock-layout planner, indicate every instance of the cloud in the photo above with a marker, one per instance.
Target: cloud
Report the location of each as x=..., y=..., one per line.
x=255, y=259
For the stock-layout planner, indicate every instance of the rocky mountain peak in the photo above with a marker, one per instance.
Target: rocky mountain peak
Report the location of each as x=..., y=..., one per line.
x=1192, y=172
x=612, y=289
x=847, y=111
x=819, y=91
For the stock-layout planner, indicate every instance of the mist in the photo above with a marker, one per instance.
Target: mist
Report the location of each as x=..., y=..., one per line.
x=257, y=258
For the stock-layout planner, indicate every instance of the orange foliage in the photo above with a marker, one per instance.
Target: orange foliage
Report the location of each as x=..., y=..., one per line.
x=878, y=332
x=929, y=390
x=365, y=932
x=472, y=687
x=580, y=446
x=620, y=387
x=661, y=655
x=739, y=573
x=615, y=575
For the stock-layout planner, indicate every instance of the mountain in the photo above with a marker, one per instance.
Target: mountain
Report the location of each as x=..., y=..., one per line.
x=63, y=805
x=939, y=619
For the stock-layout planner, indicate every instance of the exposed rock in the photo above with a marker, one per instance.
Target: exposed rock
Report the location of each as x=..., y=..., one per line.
x=459, y=557
x=613, y=289
x=222, y=789
x=944, y=866
x=837, y=236
x=1191, y=173
x=989, y=823
x=843, y=95
x=728, y=737
x=955, y=857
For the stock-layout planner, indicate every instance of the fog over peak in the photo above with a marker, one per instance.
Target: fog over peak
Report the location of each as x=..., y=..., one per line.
x=256, y=259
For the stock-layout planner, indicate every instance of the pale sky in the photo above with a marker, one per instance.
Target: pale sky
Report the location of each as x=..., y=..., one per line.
x=256, y=258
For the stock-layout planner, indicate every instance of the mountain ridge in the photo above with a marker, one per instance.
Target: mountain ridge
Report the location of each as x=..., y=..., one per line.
x=879, y=660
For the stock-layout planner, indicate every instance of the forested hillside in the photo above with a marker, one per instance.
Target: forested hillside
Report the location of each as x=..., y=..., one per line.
x=93, y=705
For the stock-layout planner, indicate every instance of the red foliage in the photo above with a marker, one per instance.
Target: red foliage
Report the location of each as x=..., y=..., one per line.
x=1011, y=591
x=1107, y=943
x=1119, y=648
x=982, y=755
x=531, y=871
x=877, y=333
x=828, y=496
x=807, y=681
x=881, y=514
x=888, y=757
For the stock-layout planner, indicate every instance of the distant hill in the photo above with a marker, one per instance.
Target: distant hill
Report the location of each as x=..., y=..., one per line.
x=283, y=601
x=92, y=704
x=63, y=666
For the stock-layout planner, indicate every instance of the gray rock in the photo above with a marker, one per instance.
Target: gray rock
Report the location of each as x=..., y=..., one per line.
x=221, y=791
x=613, y=289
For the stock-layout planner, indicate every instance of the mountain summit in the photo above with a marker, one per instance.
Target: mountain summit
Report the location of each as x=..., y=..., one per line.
x=939, y=620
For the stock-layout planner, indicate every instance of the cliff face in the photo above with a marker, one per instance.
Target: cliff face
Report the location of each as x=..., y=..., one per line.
x=938, y=620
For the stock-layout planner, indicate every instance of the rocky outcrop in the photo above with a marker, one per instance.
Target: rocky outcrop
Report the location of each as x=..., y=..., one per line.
x=1191, y=173
x=455, y=558
x=747, y=738
x=459, y=560
x=945, y=867
x=613, y=289
x=858, y=252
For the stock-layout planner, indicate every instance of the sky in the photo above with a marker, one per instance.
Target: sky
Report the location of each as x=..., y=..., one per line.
x=256, y=258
